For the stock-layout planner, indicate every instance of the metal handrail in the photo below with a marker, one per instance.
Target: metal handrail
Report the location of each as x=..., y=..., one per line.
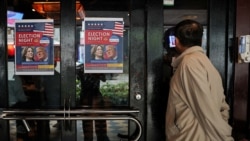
x=75, y=114
x=72, y=111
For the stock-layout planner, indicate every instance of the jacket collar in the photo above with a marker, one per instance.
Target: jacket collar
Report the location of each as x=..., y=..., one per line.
x=187, y=51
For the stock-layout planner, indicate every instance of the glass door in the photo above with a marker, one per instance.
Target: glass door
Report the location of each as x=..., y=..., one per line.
x=87, y=106
x=103, y=91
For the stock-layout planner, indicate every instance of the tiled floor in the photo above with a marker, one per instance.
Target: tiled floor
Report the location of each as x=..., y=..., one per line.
x=113, y=127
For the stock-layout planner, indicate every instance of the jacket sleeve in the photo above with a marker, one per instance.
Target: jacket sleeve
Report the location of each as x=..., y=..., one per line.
x=204, y=94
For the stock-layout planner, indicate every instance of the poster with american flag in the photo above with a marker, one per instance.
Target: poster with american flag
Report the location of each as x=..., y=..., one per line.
x=103, y=41
x=34, y=47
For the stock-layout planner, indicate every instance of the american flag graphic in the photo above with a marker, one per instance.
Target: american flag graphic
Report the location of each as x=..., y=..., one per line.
x=47, y=29
x=118, y=29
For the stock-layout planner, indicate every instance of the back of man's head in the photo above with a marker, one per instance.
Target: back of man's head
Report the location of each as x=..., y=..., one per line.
x=189, y=33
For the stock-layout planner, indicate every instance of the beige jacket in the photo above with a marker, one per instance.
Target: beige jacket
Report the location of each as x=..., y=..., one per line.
x=196, y=110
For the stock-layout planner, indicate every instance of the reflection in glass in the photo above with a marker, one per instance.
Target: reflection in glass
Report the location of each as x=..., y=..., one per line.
x=98, y=91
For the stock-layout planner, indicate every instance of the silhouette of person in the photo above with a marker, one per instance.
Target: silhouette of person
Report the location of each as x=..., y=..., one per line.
x=52, y=93
x=161, y=86
x=91, y=97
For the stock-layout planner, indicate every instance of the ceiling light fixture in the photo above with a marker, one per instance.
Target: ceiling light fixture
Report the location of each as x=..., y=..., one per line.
x=51, y=10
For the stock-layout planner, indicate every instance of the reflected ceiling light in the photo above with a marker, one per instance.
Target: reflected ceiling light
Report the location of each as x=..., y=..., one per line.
x=168, y=2
x=191, y=17
x=51, y=10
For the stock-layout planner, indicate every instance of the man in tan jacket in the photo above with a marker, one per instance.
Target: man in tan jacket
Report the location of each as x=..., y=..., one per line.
x=196, y=110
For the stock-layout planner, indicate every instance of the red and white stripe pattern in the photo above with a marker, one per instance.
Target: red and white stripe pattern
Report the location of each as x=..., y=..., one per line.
x=118, y=29
x=48, y=30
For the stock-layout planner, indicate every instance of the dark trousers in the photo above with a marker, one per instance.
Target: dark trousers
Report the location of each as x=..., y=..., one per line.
x=96, y=101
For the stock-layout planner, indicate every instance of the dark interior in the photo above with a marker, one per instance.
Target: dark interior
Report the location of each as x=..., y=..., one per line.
x=172, y=14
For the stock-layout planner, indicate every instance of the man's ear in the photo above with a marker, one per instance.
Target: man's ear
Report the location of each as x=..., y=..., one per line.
x=178, y=45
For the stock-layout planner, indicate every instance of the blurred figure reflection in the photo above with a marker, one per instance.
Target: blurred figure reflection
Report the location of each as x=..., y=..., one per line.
x=17, y=99
x=91, y=97
x=161, y=84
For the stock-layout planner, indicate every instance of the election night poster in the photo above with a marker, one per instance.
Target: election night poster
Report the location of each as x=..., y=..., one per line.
x=103, y=43
x=34, y=53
